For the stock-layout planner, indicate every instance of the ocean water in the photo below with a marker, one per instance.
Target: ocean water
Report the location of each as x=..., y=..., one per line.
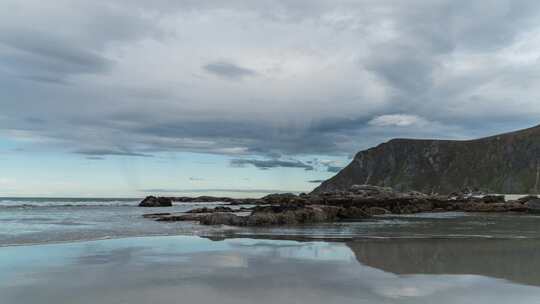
x=49, y=220
x=103, y=251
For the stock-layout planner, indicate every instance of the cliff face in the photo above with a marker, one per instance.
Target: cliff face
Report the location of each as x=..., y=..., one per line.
x=506, y=163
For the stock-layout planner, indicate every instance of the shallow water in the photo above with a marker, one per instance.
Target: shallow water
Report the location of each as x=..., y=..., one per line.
x=37, y=221
x=181, y=269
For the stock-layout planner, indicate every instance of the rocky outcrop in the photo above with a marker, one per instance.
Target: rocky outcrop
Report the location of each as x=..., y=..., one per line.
x=211, y=210
x=165, y=201
x=533, y=205
x=152, y=201
x=357, y=203
x=507, y=163
x=213, y=199
x=270, y=216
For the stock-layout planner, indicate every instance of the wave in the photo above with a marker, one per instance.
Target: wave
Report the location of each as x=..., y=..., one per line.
x=66, y=202
x=70, y=202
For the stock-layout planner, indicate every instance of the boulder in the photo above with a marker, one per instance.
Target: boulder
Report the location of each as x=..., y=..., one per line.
x=527, y=198
x=155, y=215
x=152, y=201
x=377, y=211
x=492, y=207
x=181, y=217
x=533, y=206
x=353, y=213
x=490, y=199
x=282, y=198
x=211, y=210
x=292, y=216
x=220, y=218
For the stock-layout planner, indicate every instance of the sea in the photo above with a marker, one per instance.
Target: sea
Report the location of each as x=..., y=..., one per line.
x=101, y=250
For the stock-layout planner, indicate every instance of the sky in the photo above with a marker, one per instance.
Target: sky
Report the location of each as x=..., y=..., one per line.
x=246, y=97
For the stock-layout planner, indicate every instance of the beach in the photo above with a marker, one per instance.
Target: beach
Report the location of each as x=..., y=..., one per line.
x=106, y=252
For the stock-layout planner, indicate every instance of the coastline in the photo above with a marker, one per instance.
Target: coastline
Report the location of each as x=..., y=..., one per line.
x=358, y=203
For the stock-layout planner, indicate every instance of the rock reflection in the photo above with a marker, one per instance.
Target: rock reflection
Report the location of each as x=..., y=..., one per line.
x=517, y=260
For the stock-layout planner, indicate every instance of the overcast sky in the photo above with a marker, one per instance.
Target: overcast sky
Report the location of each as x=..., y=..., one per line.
x=130, y=97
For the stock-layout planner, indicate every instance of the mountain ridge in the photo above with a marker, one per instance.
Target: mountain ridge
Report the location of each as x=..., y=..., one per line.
x=502, y=163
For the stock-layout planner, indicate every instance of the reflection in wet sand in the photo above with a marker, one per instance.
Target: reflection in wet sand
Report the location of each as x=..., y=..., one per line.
x=195, y=270
x=517, y=260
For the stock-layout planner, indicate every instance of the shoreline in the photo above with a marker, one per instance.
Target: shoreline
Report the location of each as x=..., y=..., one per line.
x=358, y=203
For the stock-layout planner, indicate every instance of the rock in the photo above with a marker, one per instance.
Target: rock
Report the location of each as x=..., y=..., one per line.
x=337, y=200
x=489, y=199
x=416, y=194
x=293, y=216
x=353, y=213
x=493, y=207
x=155, y=215
x=152, y=201
x=370, y=190
x=425, y=206
x=377, y=211
x=362, y=201
x=409, y=209
x=282, y=198
x=215, y=199
x=533, y=206
x=280, y=215
x=211, y=210
x=220, y=218
x=516, y=207
x=527, y=198
x=181, y=217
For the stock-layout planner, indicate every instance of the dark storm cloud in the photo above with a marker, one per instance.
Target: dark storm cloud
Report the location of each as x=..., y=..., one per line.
x=325, y=77
x=228, y=70
x=39, y=48
x=106, y=152
x=272, y=163
x=65, y=38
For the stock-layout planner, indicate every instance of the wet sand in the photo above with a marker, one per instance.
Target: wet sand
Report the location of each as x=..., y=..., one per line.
x=185, y=269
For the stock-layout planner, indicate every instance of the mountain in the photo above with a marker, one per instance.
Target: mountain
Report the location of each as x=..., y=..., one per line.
x=506, y=163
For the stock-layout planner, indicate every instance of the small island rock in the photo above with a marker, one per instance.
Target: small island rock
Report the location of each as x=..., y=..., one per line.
x=152, y=201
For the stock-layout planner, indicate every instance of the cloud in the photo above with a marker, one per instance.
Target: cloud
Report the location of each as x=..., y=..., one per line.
x=316, y=181
x=272, y=163
x=148, y=77
x=333, y=169
x=228, y=70
x=332, y=166
x=196, y=179
x=96, y=153
x=397, y=120
x=32, y=48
